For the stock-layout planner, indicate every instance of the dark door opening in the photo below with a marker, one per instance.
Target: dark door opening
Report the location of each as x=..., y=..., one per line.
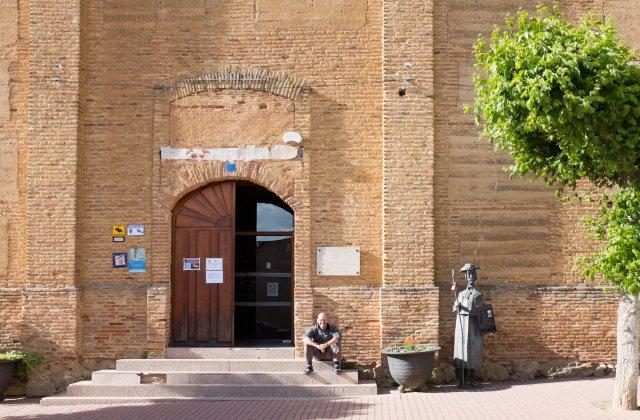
x=263, y=268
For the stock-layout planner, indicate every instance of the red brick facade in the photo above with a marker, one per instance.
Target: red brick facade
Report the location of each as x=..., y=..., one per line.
x=91, y=91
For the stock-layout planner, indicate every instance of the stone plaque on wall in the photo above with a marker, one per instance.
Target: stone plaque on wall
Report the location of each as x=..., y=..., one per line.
x=338, y=261
x=337, y=14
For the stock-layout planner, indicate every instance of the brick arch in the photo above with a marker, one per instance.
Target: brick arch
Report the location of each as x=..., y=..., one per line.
x=275, y=179
x=240, y=78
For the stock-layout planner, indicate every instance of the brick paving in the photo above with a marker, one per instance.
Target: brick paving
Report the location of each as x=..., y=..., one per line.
x=584, y=399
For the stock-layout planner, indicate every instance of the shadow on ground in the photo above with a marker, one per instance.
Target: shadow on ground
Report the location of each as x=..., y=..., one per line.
x=227, y=409
x=490, y=386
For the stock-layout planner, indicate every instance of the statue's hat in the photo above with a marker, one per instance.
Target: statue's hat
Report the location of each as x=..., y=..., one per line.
x=469, y=267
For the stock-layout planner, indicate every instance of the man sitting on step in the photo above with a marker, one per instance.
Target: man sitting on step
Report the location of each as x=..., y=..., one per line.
x=322, y=340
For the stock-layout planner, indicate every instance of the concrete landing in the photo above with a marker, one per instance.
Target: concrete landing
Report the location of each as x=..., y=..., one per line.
x=219, y=365
x=229, y=353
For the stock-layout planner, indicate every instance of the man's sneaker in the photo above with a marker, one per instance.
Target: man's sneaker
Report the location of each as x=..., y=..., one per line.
x=308, y=369
x=336, y=368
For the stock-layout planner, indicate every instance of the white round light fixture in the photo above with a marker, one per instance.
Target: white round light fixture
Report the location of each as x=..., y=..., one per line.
x=292, y=138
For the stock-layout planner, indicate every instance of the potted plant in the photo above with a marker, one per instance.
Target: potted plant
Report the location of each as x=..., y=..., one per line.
x=410, y=365
x=15, y=362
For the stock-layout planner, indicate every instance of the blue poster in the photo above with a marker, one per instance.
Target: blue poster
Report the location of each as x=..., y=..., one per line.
x=137, y=260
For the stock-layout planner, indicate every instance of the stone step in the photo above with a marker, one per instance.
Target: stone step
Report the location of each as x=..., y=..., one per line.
x=229, y=353
x=219, y=365
x=115, y=377
x=87, y=389
x=66, y=400
x=265, y=378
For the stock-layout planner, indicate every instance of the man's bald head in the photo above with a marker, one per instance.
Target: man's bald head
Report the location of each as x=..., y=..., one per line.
x=323, y=320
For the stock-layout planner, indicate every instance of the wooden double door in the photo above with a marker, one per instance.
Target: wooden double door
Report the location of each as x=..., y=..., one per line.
x=203, y=304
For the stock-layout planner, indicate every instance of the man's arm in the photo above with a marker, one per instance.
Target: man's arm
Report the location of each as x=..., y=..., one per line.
x=334, y=339
x=309, y=342
x=307, y=337
x=323, y=347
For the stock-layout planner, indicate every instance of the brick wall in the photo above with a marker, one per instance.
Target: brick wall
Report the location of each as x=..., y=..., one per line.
x=118, y=329
x=541, y=323
x=54, y=49
x=407, y=301
x=13, y=137
x=133, y=49
x=404, y=177
x=356, y=311
x=11, y=315
x=524, y=239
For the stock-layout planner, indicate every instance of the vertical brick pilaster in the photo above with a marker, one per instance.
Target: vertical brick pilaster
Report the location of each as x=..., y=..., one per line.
x=54, y=59
x=407, y=187
x=158, y=308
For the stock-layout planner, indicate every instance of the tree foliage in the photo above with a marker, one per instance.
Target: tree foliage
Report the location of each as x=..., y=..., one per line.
x=562, y=100
x=617, y=225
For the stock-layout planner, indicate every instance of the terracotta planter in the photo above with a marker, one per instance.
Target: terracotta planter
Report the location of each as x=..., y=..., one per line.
x=411, y=369
x=6, y=374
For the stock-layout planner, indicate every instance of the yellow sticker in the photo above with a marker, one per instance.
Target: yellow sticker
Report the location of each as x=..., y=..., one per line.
x=119, y=230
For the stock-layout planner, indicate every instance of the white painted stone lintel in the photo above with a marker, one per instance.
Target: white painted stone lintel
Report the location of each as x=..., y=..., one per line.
x=233, y=154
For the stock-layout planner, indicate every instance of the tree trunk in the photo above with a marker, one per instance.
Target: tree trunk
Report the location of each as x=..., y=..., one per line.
x=625, y=395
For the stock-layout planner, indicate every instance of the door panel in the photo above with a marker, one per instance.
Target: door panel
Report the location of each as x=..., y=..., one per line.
x=202, y=314
x=179, y=302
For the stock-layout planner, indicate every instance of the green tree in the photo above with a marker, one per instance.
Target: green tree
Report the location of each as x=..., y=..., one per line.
x=563, y=101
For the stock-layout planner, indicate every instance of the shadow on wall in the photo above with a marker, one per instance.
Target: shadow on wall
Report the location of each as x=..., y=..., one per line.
x=355, y=311
x=59, y=369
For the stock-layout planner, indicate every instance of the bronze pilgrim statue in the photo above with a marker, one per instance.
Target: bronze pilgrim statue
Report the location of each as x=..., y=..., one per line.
x=467, y=349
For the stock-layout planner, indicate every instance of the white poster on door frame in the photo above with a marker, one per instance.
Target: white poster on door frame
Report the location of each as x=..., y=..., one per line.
x=214, y=277
x=214, y=264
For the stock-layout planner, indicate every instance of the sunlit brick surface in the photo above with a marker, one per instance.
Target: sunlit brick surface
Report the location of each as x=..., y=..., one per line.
x=542, y=400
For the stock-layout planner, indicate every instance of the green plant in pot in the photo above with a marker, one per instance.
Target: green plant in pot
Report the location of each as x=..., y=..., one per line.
x=15, y=363
x=411, y=364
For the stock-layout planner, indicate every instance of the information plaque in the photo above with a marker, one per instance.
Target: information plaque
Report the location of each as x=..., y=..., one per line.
x=338, y=261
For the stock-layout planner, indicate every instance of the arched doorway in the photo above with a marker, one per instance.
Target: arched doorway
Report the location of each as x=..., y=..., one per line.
x=232, y=281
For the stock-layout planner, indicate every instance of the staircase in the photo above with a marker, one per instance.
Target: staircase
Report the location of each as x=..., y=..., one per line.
x=211, y=374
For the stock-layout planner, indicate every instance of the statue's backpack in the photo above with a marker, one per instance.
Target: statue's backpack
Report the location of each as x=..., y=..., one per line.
x=486, y=320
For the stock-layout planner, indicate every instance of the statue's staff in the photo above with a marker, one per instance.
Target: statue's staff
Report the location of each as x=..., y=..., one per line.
x=455, y=299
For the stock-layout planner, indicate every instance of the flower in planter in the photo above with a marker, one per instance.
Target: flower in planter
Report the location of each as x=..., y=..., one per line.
x=410, y=345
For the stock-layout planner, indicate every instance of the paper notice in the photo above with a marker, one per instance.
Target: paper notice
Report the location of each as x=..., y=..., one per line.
x=214, y=264
x=191, y=264
x=214, y=276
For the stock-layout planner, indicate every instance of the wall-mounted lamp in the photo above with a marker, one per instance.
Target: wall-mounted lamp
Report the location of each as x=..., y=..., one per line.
x=292, y=138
